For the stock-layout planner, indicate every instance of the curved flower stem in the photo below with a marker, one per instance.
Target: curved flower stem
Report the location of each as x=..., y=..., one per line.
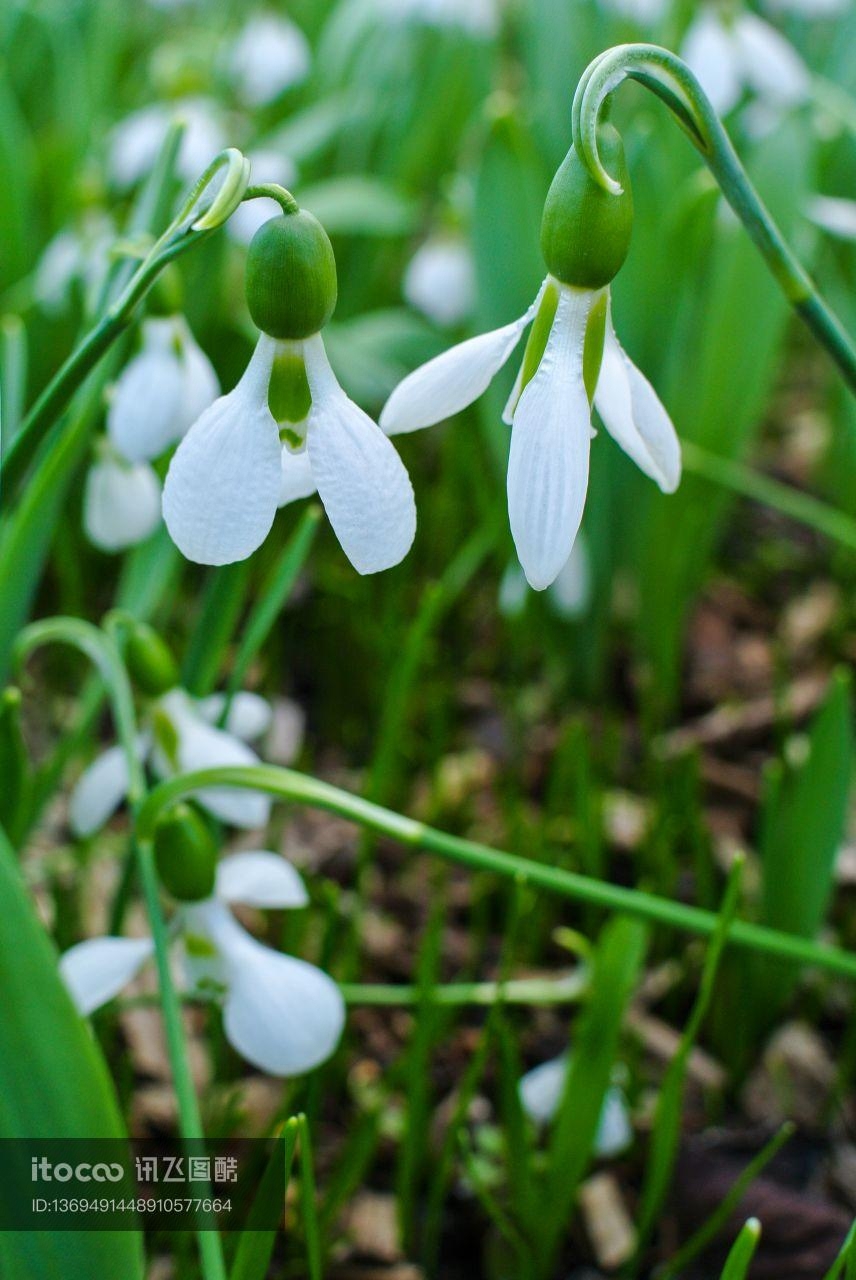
x=273, y=191
x=195, y=223
x=286, y=784
x=672, y=81
x=102, y=651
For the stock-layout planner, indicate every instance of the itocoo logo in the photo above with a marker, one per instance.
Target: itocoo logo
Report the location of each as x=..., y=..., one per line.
x=44, y=1170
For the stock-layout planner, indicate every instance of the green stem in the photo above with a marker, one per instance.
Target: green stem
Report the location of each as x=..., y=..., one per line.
x=286, y=784
x=273, y=191
x=672, y=81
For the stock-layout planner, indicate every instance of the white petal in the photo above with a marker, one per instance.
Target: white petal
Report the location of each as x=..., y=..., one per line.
x=541, y=1089
x=440, y=280
x=259, y=879
x=95, y=971
x=710, y=50
x=448, y=383
x=201, y=746
x=221, y=491
x=513, y=589
x=297, y=479
x=201, y=386
x=635, y=418
x=282, y=1014
x=614, y=1130
x=549, y=459
x=99, y=791
x=571, y=592
x=771, y=65
x=144, y=413
x=134, y=144
x=835, y=215
x=121, y=503
x=361, y=480
x=249, y=715
x=269, y=56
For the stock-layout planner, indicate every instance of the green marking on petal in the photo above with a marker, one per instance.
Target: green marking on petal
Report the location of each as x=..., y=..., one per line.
x=289, y=397
x=200, y=947
x=536, y=343
x=593, y=348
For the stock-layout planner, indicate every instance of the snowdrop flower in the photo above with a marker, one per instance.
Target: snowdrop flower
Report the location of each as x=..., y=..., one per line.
x=270, y=55
x=78, y=255
x=440, y=280
x=571, y=359
x=569, y=595
x=834, y=215
x=736, y=53
x=251, y=215
x=541, y=1092
x=282, y=1014
x=178, y=736
x=161, y=391
x=121, y=501
x=136, y=140
x=288, y=428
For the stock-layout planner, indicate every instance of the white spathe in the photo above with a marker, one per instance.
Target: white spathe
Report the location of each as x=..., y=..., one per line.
x=230, y=472
x=161, y=391
x=283, y=1015
x=121, y=503
x=733, y=54
x=270, y=55
x=103, y=786
x=550, y=419
x=440, y=280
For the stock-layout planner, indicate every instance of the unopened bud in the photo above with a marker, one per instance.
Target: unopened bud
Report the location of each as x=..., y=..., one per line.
x=291, y=276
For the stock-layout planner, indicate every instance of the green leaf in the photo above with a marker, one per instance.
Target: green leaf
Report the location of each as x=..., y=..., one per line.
x=355, y=206
x=53, y=1084
x=742, y=1251
x=255, y=1247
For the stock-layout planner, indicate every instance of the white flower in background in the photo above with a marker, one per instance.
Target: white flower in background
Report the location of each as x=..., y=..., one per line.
x=180, y=735
x=136, y=141
x=809, y=8
x=541, y=1093
x=641, y=11
x=161, y=391
x=121, y=501
x=250, y=215
x=269, y=55
x=569, y=595
x=282, y=1014
x=550, y=418
x=835, y=215
x=440, y=280
x=231, y=472
x=733, y=54
x=76, y=255
x=476, y=17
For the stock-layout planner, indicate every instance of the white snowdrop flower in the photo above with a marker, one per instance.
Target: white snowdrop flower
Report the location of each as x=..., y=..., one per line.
x=736, y=53
x=835, y=215
x=541, y=1092
x=179, y=735
x=550, y=414
x=440, y=280
x=136, y=140
x=280, y=1013
x=271, y=54
x=251, y=215
x=569, y=595
x=76, y=255
x=121, y=502
x=161, y=391
x=231, y=472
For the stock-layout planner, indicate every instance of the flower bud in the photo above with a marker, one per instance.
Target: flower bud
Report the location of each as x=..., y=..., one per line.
x=291, y=276
x=185, y=854
x=149, y=659
x=585, y=231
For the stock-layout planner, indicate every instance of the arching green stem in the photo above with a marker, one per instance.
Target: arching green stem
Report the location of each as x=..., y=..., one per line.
x=286, y=784
x=273, y=191
x=674, y=84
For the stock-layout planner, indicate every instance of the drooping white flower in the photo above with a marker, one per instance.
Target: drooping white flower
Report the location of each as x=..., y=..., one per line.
x=76, y=255
x=282, y=1014
x=541, y=1093
x=835, y=215
x=161, y=391
x=569, y=595
x=136, y=140
x=737, y=53
x=271, y=54
x=180, y=735
x=440, y=280
x=121, y=502
x=550, y=414
x=229, y=473
x=267, y=166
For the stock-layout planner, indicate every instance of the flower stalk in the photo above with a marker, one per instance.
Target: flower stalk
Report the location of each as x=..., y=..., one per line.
x=287, y=784
x=667, y=76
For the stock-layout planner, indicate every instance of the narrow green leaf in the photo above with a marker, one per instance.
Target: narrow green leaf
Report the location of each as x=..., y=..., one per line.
x=742, y=1251
x=255, y=1247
